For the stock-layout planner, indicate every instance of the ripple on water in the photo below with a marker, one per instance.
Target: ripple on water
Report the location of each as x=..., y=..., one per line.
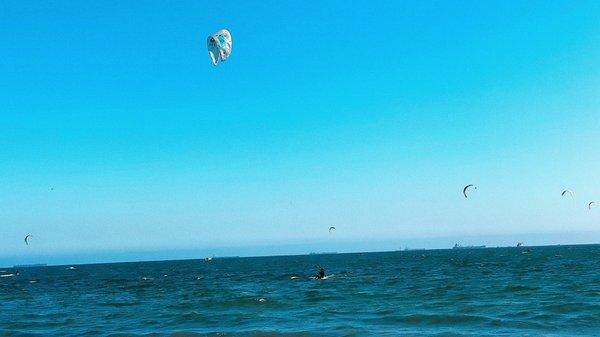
x=493, y=292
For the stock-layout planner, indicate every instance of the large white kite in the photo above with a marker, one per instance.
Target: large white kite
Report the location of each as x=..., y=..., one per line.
x=219, y=46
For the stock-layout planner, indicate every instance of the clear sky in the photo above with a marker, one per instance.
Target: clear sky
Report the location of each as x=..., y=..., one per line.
x=117, y=134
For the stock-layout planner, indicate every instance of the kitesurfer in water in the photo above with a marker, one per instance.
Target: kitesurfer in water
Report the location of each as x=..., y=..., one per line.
x=321, y=273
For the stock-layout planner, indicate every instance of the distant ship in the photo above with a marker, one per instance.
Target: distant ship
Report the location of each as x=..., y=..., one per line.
x=36, y=265
x=406, y=249
x=321, y=253
x=457, y=246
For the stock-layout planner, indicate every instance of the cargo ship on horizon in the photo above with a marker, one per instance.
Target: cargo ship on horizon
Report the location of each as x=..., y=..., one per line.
x=457, y=246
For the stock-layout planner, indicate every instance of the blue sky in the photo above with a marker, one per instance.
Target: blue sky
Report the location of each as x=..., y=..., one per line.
x=117, y=135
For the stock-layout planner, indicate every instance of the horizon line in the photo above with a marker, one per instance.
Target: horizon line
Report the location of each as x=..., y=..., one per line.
x=216, y=257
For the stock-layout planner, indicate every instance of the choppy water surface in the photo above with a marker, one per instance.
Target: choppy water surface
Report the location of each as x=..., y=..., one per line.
x=549, y=291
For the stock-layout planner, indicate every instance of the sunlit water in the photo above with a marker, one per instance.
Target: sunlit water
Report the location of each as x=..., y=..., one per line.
x=549, y=291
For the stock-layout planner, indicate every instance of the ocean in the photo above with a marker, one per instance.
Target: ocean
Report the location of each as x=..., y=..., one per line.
x=525, y=291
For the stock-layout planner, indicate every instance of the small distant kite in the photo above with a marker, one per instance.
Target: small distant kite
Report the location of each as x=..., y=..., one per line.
x=467, y=188
x=592, y=203
x=219, y=46
x=27, y=239
x=569, y=192
x=331, y=229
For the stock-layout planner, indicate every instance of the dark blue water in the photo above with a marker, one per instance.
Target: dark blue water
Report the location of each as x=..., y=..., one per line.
x=550, y=291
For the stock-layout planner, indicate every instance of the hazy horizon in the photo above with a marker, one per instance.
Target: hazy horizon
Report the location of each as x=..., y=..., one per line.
x=276, y=249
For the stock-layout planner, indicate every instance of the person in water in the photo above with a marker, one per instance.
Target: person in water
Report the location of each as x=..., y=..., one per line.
x=321, y=273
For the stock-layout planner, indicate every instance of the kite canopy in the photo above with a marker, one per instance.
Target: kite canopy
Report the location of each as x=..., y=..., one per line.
x=467, y=188
x=331, y=228
x=219, y=46
x=568, y=191
x=27, y=239
x=592, y=203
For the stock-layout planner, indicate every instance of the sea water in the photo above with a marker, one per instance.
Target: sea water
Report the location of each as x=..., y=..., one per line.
x=525, y=291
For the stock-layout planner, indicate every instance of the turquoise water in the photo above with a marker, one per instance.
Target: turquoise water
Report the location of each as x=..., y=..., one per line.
x=548, y=291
